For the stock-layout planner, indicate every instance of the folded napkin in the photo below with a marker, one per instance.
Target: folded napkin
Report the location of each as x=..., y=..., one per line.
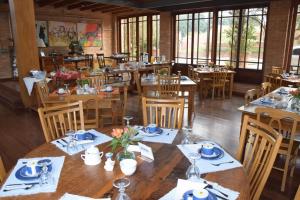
x=68, y=196
x=82, y=144
x=185, y=185
x=167, y=136
x=57, y=163
x=207, y=166
x=263, y=102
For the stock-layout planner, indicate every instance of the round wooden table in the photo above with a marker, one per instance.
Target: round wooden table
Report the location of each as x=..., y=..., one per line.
x=150, y=181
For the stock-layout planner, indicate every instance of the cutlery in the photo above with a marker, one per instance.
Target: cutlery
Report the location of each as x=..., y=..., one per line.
x=64, y=140
x=211, y=187
x=218, y=164
x=220, y=197
x=26, y=187
x=16, y=184
x=61, y=143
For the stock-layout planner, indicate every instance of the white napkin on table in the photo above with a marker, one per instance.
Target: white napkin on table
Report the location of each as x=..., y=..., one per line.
x=167, y=136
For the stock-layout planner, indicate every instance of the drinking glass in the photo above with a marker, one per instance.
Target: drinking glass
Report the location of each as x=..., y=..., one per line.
x=71, y=140
x=45, y=176
x=127, y=118
x=193, y=171
x=187, y=131
x=121, y=184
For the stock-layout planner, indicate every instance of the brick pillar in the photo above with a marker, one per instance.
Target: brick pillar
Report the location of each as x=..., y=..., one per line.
x=276, y=33
x=165, y=43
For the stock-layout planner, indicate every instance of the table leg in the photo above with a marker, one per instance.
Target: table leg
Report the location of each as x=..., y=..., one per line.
x=231, y=86
x=191, y=91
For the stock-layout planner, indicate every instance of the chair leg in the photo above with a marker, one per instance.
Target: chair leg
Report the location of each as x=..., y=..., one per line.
x=294, y=162
x=213, y=93
x=285, y=173
x=223, y=93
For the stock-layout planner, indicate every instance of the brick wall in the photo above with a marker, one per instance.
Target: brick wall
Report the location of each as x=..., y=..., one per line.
x=276, y=34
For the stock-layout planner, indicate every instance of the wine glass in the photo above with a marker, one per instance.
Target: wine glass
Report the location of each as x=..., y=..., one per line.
x=72, y=141
x=127, y=118
x=121, y=184
x=187, y=131
x=45, y=176
x=193, y=171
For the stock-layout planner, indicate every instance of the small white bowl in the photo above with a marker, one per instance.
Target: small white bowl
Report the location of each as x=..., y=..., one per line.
x=128, y=166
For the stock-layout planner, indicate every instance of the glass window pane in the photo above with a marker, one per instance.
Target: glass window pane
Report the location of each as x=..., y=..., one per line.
x=295, y=60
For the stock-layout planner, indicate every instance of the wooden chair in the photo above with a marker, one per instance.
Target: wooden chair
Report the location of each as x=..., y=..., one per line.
x=166, y=113
x=276, y=81
x=119, y=107
x=162, y=69
x=43, y=92
x=97, y=81
x=277, y=70
x=265, y=88
x=259, y=145
x=191, y=73
x=251, y=95
x=286, y=123
x=2, y=171
x=297, y=196
x=137, y=79
x=89, y=60
x=57, y=120
x=168, y=86
x=101, y=60
x=218, y=83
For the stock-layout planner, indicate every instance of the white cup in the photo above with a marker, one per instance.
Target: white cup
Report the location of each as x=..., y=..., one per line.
x=128, y=166
x=31, y=168
x=92, y=156
x=61, y=91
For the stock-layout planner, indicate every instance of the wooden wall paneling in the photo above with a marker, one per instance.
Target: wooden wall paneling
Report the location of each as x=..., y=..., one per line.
x=23, y=23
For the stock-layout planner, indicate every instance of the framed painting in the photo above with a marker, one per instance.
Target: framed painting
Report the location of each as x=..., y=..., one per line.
x=62, y=33
x=90, y=35
x=42, y=33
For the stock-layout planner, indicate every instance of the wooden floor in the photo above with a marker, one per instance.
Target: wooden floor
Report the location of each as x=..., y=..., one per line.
x=218, y=120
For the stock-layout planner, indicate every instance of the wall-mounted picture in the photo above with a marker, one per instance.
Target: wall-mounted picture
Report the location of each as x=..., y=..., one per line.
x=61, y=33
x=41, y=33
x=90, y=35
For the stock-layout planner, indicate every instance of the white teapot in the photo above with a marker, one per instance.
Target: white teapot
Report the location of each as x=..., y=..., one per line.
x=92, y=156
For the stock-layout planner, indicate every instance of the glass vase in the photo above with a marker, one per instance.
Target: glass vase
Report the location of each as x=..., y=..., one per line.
x=125, y=154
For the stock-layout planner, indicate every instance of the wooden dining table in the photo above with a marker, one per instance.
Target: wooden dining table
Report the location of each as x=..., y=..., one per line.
x=207, y=74
x=187, y=85
x=151, y=180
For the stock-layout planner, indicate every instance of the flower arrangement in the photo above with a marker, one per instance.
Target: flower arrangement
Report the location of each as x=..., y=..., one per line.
x=295, y=93
x=295, y=105
x=123, y=137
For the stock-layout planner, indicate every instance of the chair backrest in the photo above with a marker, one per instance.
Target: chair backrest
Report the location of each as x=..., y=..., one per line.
x=274, y=118
x=219, y=79
x=137, y=79
x=297, y=196
x=276, y=81
x=191, y=73
x=43, y=91
x=57, y=120
x=277, y=70
x=2, y=171
x=97, y=81
x=259, y=145
x=89, y=60
x=168, y=86
x=251, y=95
x=165, y=113
x=162, y=69
x=266, y=88
x=101, y=60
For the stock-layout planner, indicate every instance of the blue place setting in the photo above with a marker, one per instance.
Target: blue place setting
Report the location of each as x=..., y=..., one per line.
x=266, y=100
x=200, y=194
x=210, y=152
x=32, y=176
x=84, y=136
x=32, y=169
x=152, y=130
x=283, y=91
x=183, y=78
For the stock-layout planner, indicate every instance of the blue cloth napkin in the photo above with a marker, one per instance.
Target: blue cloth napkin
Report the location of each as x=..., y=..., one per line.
x=57, y=164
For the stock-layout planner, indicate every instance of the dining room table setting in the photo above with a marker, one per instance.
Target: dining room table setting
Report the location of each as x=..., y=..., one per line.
x=139, y=162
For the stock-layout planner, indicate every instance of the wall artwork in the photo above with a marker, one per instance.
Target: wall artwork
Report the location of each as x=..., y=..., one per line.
x=42, y=33
x=90, y=35
x=62, y=33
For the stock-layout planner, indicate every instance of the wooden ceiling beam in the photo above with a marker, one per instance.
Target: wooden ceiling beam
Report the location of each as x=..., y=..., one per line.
x=65, y=3
x=123, y=11
x=103, y=8
x=115, y=9
x=46, y=2
x=91, y=6
x=79, y=5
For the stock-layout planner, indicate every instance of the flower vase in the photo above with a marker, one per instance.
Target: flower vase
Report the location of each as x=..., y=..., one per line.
x=125, y=154
x=295, y=105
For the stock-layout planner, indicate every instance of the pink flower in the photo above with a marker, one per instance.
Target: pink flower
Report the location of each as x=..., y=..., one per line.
x=117, y=133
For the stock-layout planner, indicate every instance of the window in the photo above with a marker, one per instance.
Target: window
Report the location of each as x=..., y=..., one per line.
x=155, y=35
x=295, y=60
x=238, y=37
x=134, y=38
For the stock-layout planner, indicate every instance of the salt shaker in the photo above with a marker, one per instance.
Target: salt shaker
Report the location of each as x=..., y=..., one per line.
x=109, y=163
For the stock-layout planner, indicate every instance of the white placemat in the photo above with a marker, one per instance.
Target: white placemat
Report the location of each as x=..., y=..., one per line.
x=185, y=185
x=100, y=139
x=68, y=196
x=205, y=165
x=57, y=164
x=167, y=136
x=29, y=82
